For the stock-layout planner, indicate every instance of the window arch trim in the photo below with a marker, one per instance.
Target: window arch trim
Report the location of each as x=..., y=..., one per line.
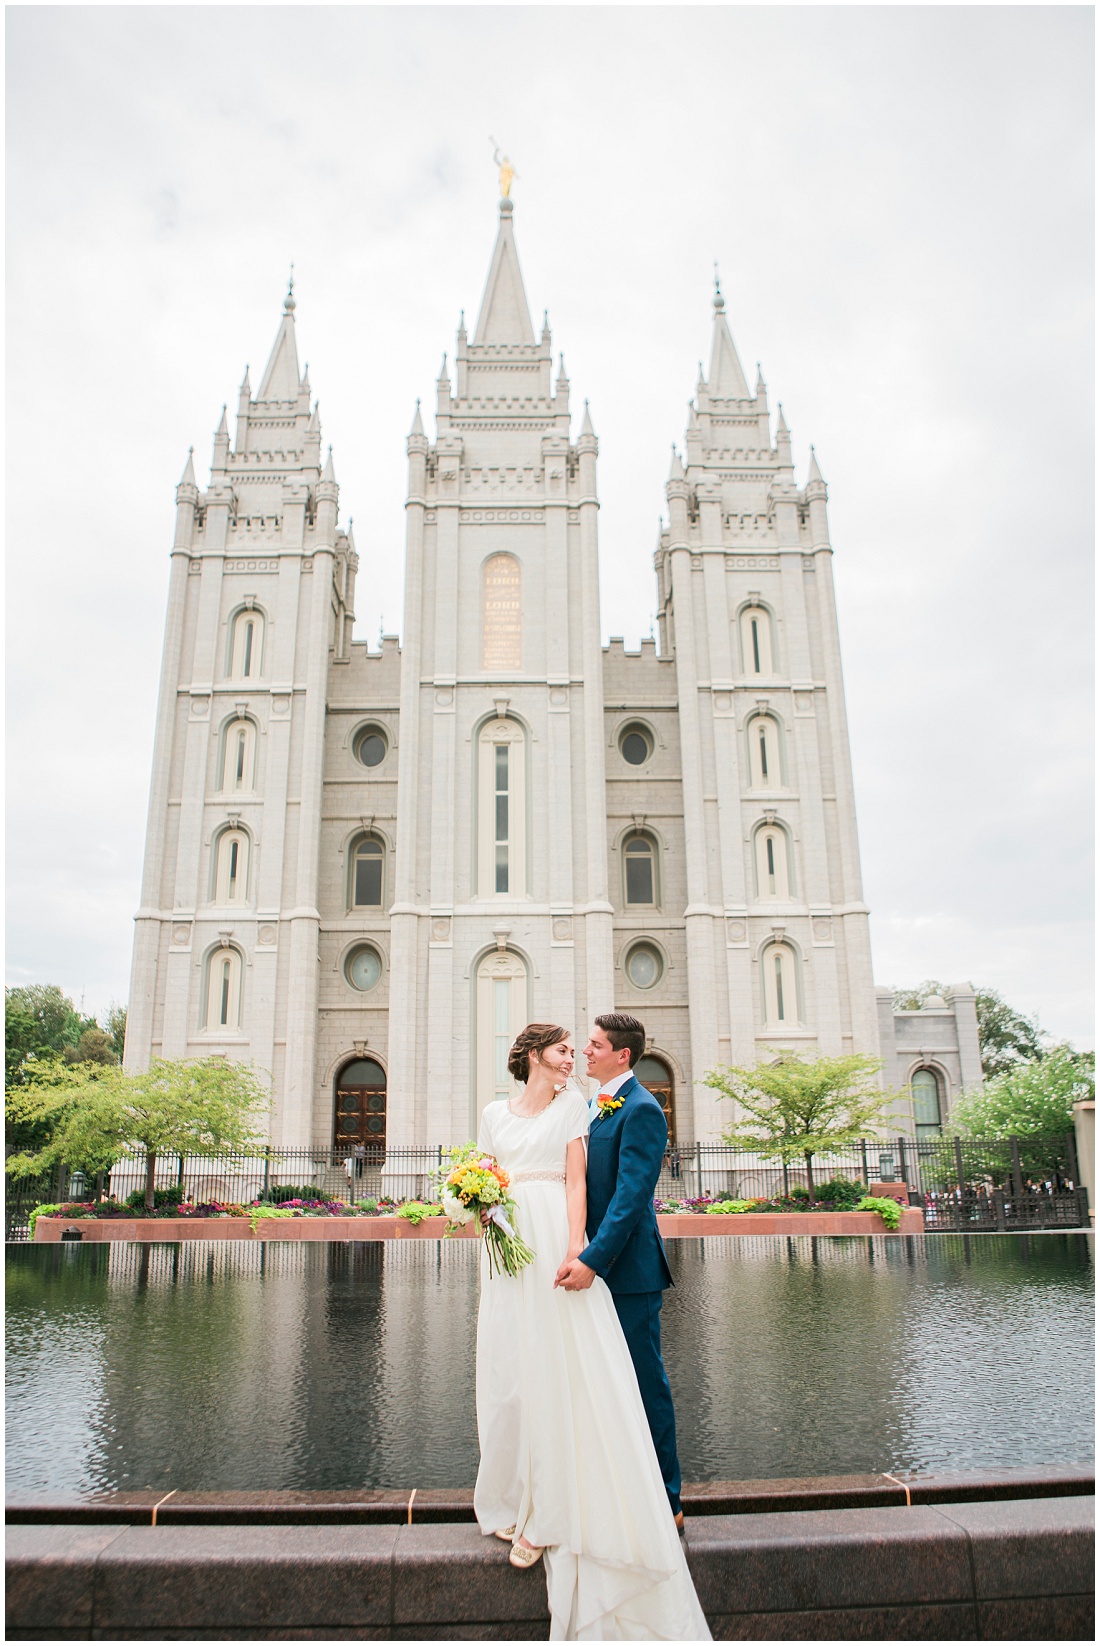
x=223, y=990
x=486, y=794
x=226, y=776
x=234, y=876
x=257, y=653
x=748, y=671
x=762, y=892
x=360, y=838
x=769, y=949
x=650, y=838
x=772, y=780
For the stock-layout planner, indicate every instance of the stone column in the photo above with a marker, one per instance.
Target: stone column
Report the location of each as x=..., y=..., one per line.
x=154, y=891
x=405, y=968
x=297, y=1098
x=599, y=979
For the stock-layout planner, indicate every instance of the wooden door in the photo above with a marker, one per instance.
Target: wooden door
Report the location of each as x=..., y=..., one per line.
x=656, y=1077
x=361, y=1109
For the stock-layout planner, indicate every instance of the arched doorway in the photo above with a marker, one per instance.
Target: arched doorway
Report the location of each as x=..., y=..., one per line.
x=656, y=1076
x=361, y=1110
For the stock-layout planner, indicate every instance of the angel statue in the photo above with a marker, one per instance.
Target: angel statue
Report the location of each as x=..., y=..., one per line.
x=507, y=171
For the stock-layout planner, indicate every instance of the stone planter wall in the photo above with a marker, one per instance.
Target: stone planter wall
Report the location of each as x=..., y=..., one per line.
x=679, y=1226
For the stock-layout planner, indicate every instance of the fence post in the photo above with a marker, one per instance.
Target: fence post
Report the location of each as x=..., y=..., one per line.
x=1017, y=1174
x=960, y=1171
x=866, y=1166
x=999, y=1209
x=267, y=1172
x=1074, y=1165
x=698, y=1169
x=903, y=1160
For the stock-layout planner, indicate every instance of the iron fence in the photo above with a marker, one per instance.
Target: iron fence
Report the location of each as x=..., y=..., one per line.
x=960, y=1184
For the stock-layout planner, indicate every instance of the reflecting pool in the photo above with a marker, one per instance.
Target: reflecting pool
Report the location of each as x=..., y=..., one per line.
x=285, y=1365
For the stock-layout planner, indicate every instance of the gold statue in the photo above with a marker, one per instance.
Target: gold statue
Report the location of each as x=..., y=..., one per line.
x=507, y=170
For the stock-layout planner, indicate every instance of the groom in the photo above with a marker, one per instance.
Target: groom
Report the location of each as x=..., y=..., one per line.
x=626, y=1144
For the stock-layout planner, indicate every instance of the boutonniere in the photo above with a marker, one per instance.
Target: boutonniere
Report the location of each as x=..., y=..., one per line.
x=608, y=1105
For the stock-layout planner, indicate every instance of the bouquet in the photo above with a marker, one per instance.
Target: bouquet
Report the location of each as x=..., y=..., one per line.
x=476, y=1184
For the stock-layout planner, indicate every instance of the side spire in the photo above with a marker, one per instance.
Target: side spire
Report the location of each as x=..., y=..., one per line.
x=504, y=316
x=282, y=379
x=187, y=478
x=815, y=473
x=725, y=380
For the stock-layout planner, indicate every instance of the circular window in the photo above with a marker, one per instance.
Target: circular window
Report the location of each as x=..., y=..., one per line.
x=635, y=745
x=644, y=965
x=363, y=967
x=370, y=746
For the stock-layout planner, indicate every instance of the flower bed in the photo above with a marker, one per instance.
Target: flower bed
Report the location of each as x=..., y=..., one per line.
x=385, y=1220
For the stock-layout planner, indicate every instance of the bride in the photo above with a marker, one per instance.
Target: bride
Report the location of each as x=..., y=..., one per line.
x=568, y=1471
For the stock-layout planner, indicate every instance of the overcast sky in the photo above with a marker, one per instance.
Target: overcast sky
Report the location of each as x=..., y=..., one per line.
x=900, y=201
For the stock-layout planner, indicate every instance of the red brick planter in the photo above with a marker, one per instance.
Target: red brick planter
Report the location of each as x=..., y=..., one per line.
x=677, y=1226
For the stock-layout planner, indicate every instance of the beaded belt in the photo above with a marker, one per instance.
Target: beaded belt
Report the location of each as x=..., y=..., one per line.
x=538, y=1177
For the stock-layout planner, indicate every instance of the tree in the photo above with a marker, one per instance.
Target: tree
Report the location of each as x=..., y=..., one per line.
x=115, y=1025
x=99, y=1114
x=1031, y=1099
x=1006, y=1038
x=801, y=1107
x=94, y=1046
x=38, y=1018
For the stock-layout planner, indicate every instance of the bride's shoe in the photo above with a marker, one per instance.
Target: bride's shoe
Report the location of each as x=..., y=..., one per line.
x=506, y=1534
x=524, y=1558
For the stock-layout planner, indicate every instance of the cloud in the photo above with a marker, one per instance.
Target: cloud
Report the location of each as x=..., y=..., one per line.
x=900, y=201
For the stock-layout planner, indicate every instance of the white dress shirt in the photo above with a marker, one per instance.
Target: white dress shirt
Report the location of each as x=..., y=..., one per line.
x=609, y=1090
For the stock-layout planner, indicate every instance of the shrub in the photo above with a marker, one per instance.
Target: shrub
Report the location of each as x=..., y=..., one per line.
x=416, y=1211
x=842, y=1192
x=888, y=1210
x=278, y=1192
x=161, y=1197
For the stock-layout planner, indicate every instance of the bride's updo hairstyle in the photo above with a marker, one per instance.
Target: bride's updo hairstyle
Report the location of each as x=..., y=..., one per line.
x=534, y=1038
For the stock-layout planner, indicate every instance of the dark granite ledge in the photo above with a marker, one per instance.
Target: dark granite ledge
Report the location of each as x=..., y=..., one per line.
x=434, y=1505
x=992, y=1570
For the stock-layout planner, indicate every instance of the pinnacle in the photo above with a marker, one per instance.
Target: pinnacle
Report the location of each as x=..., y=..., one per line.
x=676, y=468
x=586, y=425
x=187, y=478
x=781, y=422
x=504, y=316
x=815, y=473
x=282, y=378
x=417, y=426
x=329, y=473
x=222, y=428
x=726, y=380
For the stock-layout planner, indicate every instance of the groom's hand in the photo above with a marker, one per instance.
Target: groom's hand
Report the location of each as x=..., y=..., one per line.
x=574, y=1276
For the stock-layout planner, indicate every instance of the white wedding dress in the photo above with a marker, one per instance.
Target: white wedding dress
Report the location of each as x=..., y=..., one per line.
x=566, y=1452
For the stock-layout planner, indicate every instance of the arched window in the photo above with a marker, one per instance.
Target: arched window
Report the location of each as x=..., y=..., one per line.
x=238, y=773
x=248, y=645
x=368, y=860
x=927, y=1114
x=773, y=876
x=656, y=1076
x=500, y=613
x=502, y=810
x=639, y=870
x=223, y=990
x=360, y=1119
x=780, y=986
x=756, y=641
x=231, y=872
x=501, y=1013
x=765, y=761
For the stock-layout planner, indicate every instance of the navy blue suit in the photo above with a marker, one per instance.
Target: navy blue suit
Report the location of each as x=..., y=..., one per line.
x=625, y=1150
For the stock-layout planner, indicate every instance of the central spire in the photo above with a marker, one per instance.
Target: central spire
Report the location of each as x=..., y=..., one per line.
x=726, y=380
x=281, y=379
x=504, y=317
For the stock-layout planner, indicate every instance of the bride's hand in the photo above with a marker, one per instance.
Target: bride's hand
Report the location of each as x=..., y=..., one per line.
x=484, y=1218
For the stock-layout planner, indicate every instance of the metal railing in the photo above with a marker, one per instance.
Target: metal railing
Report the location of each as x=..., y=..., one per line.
x=960, y=1184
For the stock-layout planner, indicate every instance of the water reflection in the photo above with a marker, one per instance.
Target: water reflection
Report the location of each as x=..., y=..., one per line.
x=322, y=1366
